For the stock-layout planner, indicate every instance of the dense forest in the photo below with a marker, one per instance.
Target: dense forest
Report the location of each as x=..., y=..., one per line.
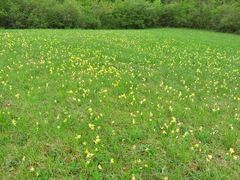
x=219, y=15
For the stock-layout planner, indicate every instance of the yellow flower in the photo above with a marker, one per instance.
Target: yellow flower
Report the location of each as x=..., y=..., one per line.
x=133, y=121
x=100, y=167
x=97, y=140
x=90, y=109
x=173, y=120
x=78, y=136
x=14, y=122
x=88, y=154
x=235, y=157
x=112, y=161
x=91, y=126
x=32, y=169
x=23, y=158
x=196, y=145
x=231, y=150
x=209, y=157
x=17, y=96
x=133, y=177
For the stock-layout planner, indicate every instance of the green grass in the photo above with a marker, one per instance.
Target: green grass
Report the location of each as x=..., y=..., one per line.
x=119, y=104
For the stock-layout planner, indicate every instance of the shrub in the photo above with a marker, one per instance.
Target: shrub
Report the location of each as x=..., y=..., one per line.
x=70, y=14
x=226, y=18
x=200, y=14
x=208, y=14
x=173, y=15
x=129, y=14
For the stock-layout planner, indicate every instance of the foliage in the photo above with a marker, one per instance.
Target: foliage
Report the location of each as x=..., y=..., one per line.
x=208, y=14
x=227, y=18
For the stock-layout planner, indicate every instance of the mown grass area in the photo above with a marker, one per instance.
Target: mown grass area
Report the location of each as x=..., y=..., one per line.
x=119, y=104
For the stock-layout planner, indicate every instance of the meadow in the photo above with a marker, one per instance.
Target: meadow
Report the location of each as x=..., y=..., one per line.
x=119, y=104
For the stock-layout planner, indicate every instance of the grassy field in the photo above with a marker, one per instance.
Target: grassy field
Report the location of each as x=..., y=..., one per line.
x=119, y=104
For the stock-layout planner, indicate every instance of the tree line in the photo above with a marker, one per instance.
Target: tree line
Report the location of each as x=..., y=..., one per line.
x=219, y=15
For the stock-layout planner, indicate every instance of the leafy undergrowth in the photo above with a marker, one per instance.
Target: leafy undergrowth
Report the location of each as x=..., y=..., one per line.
x=122, y=104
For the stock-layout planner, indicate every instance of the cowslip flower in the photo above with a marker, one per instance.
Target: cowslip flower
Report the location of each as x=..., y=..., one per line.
x=17, y=95
x=112, y=161
x=91, y=126
x=97, y=140
x=100, y=167
x=231, y=150
x=78, y=136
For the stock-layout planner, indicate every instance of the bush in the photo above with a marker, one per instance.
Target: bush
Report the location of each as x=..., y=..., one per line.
x=227, y=18
x=200, y=14
x=173, y=15
x=4, y=16
x=70, y=14
x=129, y=14
x=210, y=14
